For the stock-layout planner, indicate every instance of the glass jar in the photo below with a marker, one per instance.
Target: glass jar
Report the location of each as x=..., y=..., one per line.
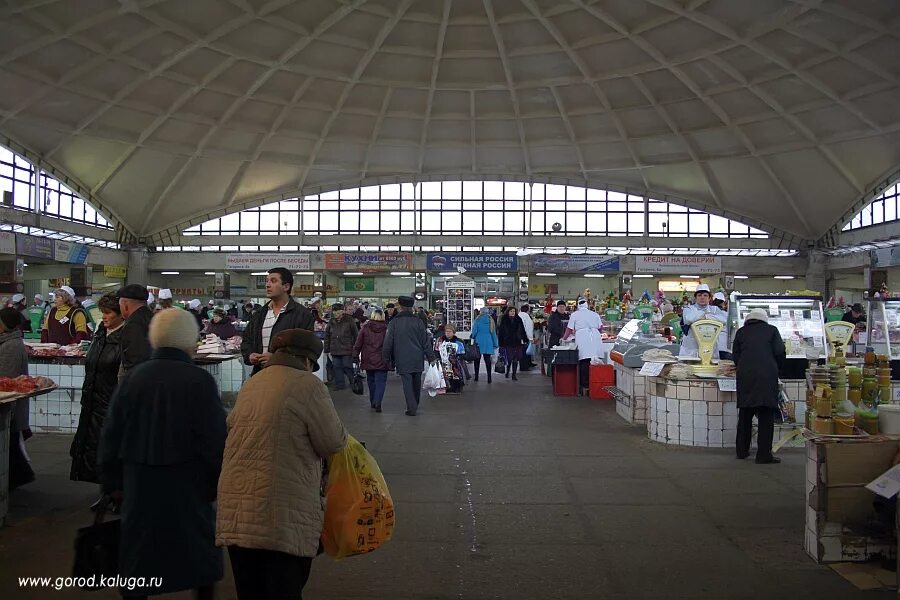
x=854, y=376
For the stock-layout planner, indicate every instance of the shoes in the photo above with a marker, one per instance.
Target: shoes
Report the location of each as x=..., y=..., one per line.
x=514, y=378
x=741, y=456
x=772, y=460
x=338, y=389
x=378, y=409
x=410, y=414
x=507, y=375
x=476, y=378
x=490, y=380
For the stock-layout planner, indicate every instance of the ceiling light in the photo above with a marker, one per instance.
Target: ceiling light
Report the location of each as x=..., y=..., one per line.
x=643, y=276
x=24, y=264
x=597, y=275
x=352, y=274
x=449, y=274
x=741, y=277
x=689, y=276
x=170, y=273
x=545, y=274
x=784, y=277
x=304, y=273
x=210, y=273
x=498, y=274
x=400, y=273
x=260, y=273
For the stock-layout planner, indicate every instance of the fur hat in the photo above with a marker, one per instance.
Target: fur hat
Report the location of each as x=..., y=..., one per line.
x=299, y=342
x=134, y=291
x=757, y=314
x=406, y=301
x=174, y=328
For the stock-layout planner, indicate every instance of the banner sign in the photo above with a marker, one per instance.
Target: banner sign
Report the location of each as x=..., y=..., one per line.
x=579, y=264
x=368, y=263
x=684, y=265
x=263, y=262
x=359, y=284
x=29, y=245
x=543, y=289
x=886, y=257
x=7, y=242
x=187, y=292
x=115, y=271
x=69, y=252
x=473, y=261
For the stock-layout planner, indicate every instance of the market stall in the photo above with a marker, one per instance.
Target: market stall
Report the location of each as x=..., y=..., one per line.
x=627, y=357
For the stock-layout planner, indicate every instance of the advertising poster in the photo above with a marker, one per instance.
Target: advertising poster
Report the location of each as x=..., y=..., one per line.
x=575, y=264
x=264, y=262
x=29, y=245
x=368, y=263
x=473, y=261
x=359, y=284
x=679, y=265
x=70, y=252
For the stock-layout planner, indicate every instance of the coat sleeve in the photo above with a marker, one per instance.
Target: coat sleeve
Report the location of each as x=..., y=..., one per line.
x=109, y=465
x=387, y=350
x=247, y=339
x=326, y=431
x=327, y=341
x=691, y=314
x=307, y=319
x=208, y=421
x=135, y=348
x=358, y=345
x=525, y=339
x=737, y=346
x=427, y=343
x=778, y=349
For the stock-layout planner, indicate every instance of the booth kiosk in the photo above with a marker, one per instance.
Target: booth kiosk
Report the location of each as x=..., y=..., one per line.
x=460, y=305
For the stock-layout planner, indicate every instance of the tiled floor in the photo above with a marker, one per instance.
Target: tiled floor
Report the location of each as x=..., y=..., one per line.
x=507, y=492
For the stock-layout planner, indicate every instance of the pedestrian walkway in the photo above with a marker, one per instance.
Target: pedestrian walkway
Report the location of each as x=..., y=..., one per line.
x=507, y=492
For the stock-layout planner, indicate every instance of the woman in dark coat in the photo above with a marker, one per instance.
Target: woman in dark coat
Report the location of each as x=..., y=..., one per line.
x=369, y=352
x=758, y=354
x=101, y=375
x=13, y=363
x=513, y=340
x=161, y=453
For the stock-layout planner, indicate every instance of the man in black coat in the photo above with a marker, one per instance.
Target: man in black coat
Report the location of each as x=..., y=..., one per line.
x=407, y=345
x=759, y=354
x=556, y=323
x=281, y=312
x=134, y=343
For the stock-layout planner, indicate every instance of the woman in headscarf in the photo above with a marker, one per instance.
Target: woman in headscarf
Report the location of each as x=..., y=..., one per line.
x=66, y=322
x=587, y=327
x=484, y=332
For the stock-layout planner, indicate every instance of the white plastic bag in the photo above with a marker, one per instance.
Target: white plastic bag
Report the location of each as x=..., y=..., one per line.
x=433, y=380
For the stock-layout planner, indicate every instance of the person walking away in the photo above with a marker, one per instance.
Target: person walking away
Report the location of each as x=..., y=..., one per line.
x=407, y=345
x=161, y=453
x=557, y=323
x=14, y=362
x=587, y=327
x=281, y=312
x=513, y=340
x=134, y=341
x=525, y=315
x=451, y=351
x=101, y=375
x=340, y=337
x=484, y=332
x=369, y=352
x=221, y=325
x=66, y=322
x=270, y=510
x=700, y=309
x=758, y=354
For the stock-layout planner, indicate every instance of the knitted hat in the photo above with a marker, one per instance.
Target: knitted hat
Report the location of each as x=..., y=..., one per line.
x=757, y=314
x=299, y=342
x=174, y=328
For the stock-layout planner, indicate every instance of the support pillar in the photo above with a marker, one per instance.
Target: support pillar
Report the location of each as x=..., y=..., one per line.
x=817, y=273
x=138, y=265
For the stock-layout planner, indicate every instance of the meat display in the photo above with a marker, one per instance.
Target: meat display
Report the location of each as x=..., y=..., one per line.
x=24, y=384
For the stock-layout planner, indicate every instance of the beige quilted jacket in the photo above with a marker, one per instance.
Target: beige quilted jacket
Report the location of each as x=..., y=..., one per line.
x=282, y=426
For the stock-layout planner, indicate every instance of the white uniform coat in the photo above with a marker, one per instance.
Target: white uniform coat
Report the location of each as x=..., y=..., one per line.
x=529, y=325
x=588, y=338
x=693, y=313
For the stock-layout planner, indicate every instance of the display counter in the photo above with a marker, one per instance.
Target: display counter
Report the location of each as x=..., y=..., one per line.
x=630, y=394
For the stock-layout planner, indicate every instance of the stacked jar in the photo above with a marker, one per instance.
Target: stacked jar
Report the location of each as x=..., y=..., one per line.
x=854, y=378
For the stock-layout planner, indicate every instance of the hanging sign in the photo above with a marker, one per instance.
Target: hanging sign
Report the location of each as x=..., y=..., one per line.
x=578, y=264
x=29, y=245
x=263, y=262
x=368, y=263
x=69, y=252
x=543, y=289
x=115, y=271
x=359, y=284
x=474, y=261
x=7, y=242
x=686, y=265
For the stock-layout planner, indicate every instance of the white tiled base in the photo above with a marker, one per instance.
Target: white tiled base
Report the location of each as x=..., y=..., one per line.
x=633, y=408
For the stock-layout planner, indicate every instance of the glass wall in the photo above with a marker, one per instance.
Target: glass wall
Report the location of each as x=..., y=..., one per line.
x=882, y=209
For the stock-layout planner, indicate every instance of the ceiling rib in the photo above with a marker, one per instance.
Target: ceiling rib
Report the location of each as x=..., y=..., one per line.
x=435, y=67
x=376, y=131
x=564, y=115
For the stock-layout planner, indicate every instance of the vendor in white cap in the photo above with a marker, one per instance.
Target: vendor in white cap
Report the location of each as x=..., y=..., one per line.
x=587, y=326
x=194, y=309
x=18, y=303
x=165, y=299
x=66, y=323
x=702, y=309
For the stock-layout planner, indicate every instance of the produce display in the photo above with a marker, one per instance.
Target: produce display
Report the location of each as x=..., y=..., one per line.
x=24, y=384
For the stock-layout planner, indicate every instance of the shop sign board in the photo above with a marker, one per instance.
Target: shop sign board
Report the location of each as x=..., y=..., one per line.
x=886, y=257
x=543, y=289
x=29, y=245
x=69, y=252
x=359, y=284
x=473, y=261
x=263, y=262
x=115, y=271
x=683, y=265
x=368, y=263
x=575, y=264
x=7, y=242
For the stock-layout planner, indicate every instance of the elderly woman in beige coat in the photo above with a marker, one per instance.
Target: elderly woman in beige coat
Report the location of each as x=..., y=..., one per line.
x=270, y=512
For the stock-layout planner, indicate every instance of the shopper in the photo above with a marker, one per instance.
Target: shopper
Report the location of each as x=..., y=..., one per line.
x=66, y=323
x=513, y=340
x=758, y=354
x=280, y=313
x=101, y=375
x=283, y=426
x=161, y=452
x=525, y=315
x=14, y=362
x=220, y=325
x=134, y=341
x=389, y=311
x=369, y=352
x=701, y=309
x=247, y=311
x=484, y=332
x=18, y=303
x=557, y=322
x=587, y=327
x=451, y=352
x=407, y=345
x=340, y=337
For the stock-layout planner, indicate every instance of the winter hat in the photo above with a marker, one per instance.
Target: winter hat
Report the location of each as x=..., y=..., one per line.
x=174, y=328
x=337, y=306
x=165, y=294
x=406, y=301
x=133, y=291
x=298, y=342
x=194, y=304
x=757, y=314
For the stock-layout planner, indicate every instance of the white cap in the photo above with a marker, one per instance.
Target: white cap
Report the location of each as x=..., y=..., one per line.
x=194, y=304
x=67, y=290
x=38, y=297
x=212, y=302
x=719, y=296
x=757, y=314
x=150, y=297
x=165, y=294
x=702, y=288
x=18, y=298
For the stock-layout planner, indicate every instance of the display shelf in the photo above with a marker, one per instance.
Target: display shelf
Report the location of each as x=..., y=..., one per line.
x=799, y=319
x=460, y=305
x=883, y=327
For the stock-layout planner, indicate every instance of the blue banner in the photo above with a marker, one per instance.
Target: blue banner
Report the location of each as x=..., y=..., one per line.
x=473, y=261
x=578, y=264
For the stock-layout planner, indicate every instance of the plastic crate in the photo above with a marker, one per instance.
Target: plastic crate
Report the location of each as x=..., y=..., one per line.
x=597, y=390
x=565, y=380
x=604, y=374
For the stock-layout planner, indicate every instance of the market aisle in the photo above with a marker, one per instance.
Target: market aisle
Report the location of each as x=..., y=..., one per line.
x=506, y=492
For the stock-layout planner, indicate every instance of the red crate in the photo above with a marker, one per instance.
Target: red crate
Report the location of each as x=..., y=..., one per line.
x=598, y=391
x=565, y=380
x=604, y=374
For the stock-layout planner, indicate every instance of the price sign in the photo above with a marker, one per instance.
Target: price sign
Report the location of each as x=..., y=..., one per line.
x=652, y=369
x=896, y=395
x=774, y=310
x=727, y=385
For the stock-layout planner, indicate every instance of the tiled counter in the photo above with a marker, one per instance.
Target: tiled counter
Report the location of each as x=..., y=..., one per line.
x=631, y=402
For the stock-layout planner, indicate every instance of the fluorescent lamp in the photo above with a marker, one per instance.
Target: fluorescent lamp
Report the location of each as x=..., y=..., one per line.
x=449, y=274
x=596, y=275
x=545, y=274
x=689, y=276
x=304, y=273
x=784, y=277
x=643, y=276
x=352, y=274
x=260, y=273
x=210, y=273
x=170, y=273
x=497, y=274
x=741, y=277
x=400, y=273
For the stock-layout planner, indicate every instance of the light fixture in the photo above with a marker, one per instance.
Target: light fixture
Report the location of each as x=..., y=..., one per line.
x=497, y=274
x=400, y=273
x=596, y=275
x=449, y=274
x=784, y=277
x=24, y=264
x=260, y=273
x=689, y=276
x=741, y=277
x=170, y=273
x=545, y=274
x=643, y=276
x=352, y=274
x=304, y=273
x=210, y=273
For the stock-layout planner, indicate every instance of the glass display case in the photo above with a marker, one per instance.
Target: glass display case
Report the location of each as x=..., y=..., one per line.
x=799, y=319
x=883, y=327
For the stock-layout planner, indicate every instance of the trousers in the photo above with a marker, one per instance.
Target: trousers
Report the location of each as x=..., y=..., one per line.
x=488, y=363
x=412, y=390
x=377, y=381
x=268, y=574
x=343, y=365
x=765, y=417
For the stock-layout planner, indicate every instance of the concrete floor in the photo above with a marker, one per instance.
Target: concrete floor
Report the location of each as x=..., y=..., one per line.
x=507, y=492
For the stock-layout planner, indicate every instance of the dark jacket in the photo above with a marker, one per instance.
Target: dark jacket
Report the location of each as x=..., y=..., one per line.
x=14, y=362
x=557, y=327
x=512, y=332
x=340, y=335
x=162, y=445
x=407, y=344
x=134, y=341
x=758, y=352
x=101, y=375
x=224, y=329
x=293, y=317
x=369, y=346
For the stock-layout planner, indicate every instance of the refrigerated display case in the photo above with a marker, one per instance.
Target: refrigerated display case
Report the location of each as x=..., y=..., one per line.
x=460, y=304
x=883, y=327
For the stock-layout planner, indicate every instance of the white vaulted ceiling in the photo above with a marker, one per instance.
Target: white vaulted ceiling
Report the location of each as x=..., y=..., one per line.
x=781, y=112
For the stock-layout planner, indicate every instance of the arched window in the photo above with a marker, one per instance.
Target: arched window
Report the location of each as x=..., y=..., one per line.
x=882, y=209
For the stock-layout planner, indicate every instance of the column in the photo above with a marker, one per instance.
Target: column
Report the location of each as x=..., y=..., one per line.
x=817, y=273
x=138, y=265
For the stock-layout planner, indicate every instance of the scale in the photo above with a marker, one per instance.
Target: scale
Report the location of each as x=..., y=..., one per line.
x=838, y=334
x=706, y=332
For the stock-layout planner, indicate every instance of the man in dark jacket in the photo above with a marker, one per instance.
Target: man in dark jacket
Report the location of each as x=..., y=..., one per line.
x=389, y=311
x=556, y=324
x=280, y=312
x=406, y=346
x=340, y=336
x=134, y=343
x=758, y=354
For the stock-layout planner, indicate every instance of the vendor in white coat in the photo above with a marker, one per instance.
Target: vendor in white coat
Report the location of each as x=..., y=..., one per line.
x=525, y=314
x=587, y=327
x=702, y=309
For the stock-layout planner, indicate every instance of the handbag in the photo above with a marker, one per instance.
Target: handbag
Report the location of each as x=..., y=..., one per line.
x=97, y=550
x=473, y=353
x=501, y=362
x=357, y=384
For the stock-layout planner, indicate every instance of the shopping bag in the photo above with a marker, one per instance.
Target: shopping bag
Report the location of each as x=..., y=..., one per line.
x=501, y=363
x=529, y=351
x=359, y=512
x=433, y=382
x=357, y=384
x=97, y=550
x=473, y=354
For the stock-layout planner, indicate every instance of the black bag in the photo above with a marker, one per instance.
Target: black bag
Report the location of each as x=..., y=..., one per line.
x=473, y=353
x=357, y=384
x=501, y=363
x=97, y=549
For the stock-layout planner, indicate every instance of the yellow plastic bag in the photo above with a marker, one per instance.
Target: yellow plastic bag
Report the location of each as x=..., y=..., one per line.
x=359, y=512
